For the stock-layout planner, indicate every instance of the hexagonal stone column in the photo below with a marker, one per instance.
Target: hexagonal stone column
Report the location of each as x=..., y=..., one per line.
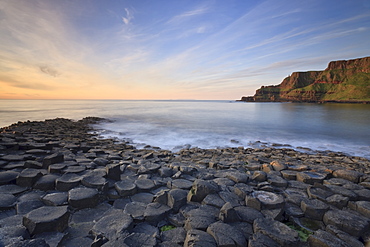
x=83, y=198
x=46, y=219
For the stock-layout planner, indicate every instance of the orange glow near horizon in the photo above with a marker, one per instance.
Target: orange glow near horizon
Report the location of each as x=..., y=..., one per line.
x=206, y=50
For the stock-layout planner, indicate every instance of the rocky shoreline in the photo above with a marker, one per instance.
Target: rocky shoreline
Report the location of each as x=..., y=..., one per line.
x=61, y=185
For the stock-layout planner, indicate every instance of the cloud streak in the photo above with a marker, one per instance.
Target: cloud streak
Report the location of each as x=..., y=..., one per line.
x=115, y=50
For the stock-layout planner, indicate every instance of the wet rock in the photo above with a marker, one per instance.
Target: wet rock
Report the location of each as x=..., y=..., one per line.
x=264, y=200
x=314, y=208
x=67, y=181
x=277, y=231
x=226, y=235
x=310, y=177
x=347, y=221
x=28, y=177
x=349, y=175
x=7, y=201
x=83, y=197
x=126, y=187
x=199, y=238
x=52, y=159
x=46, y=219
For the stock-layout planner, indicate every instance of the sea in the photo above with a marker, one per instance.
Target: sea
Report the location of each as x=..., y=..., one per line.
x=178, y=124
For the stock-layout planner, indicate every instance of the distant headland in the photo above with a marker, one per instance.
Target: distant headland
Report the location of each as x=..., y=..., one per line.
x=344, y=81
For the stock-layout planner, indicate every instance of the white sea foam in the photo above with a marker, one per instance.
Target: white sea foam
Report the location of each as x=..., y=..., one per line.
x=210, y=124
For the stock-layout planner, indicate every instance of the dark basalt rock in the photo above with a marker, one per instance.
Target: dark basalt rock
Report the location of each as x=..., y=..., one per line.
x=52, y=159
x=46, y=219
x=199, y=238
x=200, y=189
x=126, y=187
x=226, y=235
x=28, y=177
x=83, y=197
x=113, y=225
x=67, y=181
x=7, y=201
x=277, y=231
x=347, y=221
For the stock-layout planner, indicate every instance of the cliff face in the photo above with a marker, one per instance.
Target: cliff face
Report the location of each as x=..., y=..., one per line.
x=341, y=81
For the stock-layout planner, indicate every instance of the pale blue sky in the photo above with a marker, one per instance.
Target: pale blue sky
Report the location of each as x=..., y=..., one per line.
x=151, y=49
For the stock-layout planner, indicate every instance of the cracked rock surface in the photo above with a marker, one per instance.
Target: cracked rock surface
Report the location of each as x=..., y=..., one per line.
x=62, y=185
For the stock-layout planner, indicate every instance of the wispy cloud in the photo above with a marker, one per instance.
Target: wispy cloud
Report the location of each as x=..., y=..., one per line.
x=49, y=71
x=129, y=16
x=188, y=14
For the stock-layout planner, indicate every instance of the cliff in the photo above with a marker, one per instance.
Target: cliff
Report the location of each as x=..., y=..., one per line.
x=342, y=81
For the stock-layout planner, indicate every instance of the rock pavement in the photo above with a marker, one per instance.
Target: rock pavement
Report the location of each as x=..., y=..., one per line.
x=62, y=185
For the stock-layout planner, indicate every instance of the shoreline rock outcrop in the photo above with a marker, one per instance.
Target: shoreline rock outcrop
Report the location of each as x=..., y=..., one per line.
x=61, y=185
x=346, y=81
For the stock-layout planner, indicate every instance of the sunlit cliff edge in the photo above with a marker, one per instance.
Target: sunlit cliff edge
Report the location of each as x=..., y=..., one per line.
x=344, y=81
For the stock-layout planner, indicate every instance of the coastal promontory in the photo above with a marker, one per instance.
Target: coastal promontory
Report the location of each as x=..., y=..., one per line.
x=345, y=81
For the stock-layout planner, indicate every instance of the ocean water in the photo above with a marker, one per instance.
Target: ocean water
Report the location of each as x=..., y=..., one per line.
x=174, y=124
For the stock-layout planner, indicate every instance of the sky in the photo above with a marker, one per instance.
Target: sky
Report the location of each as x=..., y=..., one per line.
x=171, y=49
